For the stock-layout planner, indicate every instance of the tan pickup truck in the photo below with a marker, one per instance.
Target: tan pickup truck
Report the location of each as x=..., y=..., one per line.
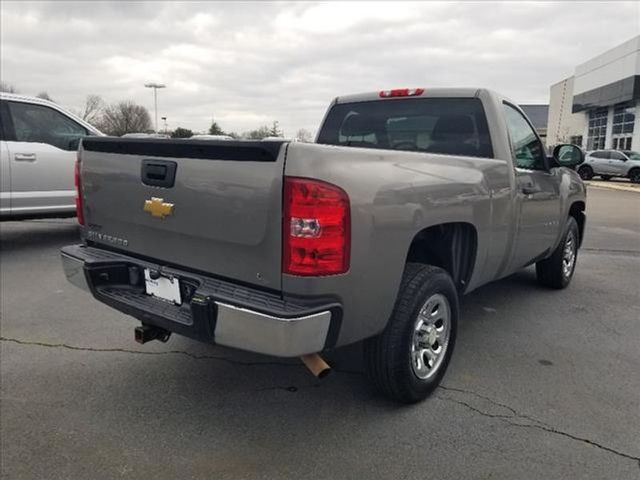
x=408, y=199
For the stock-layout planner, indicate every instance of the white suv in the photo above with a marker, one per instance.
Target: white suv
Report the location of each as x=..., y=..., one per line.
x=38, y=144
x=611, y=163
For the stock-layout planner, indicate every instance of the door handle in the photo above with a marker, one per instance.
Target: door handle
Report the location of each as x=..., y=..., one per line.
x=25, y=157
x=158, y=173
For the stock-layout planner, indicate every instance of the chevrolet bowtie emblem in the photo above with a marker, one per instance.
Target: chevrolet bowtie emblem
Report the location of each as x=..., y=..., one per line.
x=158, y=208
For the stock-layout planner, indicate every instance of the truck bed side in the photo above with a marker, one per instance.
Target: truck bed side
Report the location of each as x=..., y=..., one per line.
x=394, y=195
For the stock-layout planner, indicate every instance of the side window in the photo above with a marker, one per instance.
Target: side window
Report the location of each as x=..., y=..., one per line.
x=528, y=151
x=40, y=124
x=5, y=123
x=617, y=156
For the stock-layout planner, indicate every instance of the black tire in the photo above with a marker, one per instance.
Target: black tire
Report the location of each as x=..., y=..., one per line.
x=551, y=272
x=634, y=175
x=606, y=178
x=388, y=356
x=585, y=172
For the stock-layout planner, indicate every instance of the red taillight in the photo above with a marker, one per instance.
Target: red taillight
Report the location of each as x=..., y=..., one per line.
x=78, y=182
x=401, y=92
x=316, y=228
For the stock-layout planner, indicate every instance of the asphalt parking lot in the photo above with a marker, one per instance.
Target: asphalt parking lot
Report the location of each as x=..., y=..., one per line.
x=543, y=384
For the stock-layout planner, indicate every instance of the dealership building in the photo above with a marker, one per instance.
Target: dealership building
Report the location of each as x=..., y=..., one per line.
x=599, y=106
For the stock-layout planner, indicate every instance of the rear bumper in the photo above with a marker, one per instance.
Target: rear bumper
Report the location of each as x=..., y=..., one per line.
x=213, y=310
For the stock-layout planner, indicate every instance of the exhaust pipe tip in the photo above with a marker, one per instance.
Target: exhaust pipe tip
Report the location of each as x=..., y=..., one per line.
x=316, y=365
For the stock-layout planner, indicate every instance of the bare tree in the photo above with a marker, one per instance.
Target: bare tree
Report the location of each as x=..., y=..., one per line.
x=125, y=117
x=93, y=108
x=259, y=134
x=304, y=135
x=7, y=87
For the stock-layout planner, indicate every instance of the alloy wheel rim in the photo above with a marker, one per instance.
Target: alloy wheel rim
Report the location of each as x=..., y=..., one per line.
x=569, y=255
x=431, y=333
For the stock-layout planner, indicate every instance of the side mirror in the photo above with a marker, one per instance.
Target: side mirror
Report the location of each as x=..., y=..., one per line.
x=566, y=155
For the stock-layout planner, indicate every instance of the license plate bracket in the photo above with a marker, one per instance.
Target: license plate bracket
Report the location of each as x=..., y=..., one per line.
x=165, y=288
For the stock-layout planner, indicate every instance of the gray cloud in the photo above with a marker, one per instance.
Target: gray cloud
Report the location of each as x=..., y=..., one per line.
x=250, y=63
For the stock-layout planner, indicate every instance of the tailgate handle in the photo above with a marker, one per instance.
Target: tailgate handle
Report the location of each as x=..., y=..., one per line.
x=158, y=173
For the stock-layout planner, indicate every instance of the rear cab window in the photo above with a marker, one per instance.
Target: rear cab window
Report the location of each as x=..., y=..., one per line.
x=450, y=126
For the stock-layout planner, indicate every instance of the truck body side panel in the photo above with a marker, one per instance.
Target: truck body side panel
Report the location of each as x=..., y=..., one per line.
x=394, y=195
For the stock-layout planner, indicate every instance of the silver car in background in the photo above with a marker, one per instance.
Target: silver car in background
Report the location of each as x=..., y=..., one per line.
x=611, y=163
x=38, y=144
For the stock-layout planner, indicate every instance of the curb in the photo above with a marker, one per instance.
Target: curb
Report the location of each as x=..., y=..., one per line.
x=614, y=186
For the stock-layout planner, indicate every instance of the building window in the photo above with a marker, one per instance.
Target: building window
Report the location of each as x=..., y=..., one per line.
x=622, y=143
x=576, y=140
x=624, y=116
x=597, y=128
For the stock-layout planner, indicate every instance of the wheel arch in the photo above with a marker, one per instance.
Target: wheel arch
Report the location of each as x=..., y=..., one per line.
x=450, y=246
x=632, y=170
x=577, y=211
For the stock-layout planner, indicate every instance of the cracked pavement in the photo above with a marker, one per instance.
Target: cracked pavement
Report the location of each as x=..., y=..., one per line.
x=543, y=384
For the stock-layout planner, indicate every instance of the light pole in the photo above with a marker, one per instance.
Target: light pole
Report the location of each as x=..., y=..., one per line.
x=155, y=87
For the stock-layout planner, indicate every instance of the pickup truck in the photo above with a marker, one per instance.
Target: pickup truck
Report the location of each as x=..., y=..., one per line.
x=408, y=199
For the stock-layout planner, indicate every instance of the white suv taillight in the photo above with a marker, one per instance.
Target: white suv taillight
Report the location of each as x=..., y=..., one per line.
x=316, y=228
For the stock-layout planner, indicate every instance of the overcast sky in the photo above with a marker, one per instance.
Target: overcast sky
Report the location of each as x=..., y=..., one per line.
x=247, y=64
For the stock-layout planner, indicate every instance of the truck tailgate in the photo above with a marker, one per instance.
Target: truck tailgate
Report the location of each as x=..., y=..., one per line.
x=220, y=213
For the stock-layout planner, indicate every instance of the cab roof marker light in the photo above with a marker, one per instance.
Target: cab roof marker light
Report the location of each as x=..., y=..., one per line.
x=401, y=92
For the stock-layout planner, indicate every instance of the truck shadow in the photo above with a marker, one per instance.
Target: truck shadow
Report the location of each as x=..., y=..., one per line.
x=226, y=377
x=231, y=409
x=37, y=234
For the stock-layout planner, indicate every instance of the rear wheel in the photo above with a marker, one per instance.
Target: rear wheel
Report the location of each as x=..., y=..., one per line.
x=634, y=175
x=585, y=172
x=407, y=361
x=606, y=178
x=557, y=270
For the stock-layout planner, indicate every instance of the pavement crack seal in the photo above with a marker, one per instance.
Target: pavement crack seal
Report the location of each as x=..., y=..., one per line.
x=139, y=352
x=168, y=352
x=512, y=418
x=579, y=439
